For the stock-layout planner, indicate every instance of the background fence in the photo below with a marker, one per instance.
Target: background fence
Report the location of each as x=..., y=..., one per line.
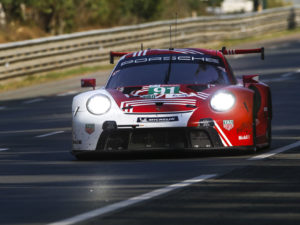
x=45, y=54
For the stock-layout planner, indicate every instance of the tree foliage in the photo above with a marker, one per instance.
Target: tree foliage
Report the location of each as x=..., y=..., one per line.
x=61, y=16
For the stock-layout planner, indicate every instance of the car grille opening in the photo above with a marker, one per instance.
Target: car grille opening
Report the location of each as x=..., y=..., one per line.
x=156, y=139
x=200, y=139
x=163, y=138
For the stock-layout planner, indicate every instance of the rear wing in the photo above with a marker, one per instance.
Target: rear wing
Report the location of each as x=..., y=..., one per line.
x=116, y=54
x=244, y=51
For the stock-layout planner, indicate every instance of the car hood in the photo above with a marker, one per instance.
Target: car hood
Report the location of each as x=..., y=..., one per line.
x=161, y=98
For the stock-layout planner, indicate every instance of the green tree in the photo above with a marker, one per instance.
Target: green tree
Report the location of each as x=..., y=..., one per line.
x=61, y=16
x=143, y=10
x=55, y=16
x=12, y=9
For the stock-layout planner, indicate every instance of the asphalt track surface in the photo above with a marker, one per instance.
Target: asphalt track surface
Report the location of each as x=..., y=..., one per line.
x=41, y=183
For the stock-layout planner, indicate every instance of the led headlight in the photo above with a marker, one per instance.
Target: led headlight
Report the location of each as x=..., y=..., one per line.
x=222, y=101
x=98, y=104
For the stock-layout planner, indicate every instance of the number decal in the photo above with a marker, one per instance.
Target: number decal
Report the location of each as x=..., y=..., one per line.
x=161, y=90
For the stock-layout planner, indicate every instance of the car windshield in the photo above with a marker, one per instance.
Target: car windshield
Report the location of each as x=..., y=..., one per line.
x=168, y=70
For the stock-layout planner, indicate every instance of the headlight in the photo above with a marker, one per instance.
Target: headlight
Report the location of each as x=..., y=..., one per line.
x=98, y=104
x=222, y=101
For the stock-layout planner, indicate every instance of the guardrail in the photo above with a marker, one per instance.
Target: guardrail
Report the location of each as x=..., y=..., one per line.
x=45, y=54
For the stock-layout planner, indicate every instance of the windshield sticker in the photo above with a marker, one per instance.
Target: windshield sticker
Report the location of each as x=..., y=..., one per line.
x=193, y=59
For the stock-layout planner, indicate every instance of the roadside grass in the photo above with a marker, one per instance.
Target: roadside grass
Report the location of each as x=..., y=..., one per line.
x=35, y=79
x=254, y=39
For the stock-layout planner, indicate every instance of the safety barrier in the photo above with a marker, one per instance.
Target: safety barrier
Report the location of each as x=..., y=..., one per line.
x=46, y=54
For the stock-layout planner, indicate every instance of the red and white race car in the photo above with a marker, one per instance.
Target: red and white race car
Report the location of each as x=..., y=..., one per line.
x=173, y=99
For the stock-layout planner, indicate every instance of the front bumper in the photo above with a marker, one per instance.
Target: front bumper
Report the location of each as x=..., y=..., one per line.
x=161, y=141
x=113, y=135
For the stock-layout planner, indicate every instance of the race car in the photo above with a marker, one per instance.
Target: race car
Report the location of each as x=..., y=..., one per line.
x=173, y=99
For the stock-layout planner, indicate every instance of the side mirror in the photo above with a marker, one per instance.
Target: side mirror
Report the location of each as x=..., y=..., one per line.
x=89, y=82
x=250, y=79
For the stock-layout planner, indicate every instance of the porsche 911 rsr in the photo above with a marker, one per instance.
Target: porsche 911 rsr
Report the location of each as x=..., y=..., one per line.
x=173, y=99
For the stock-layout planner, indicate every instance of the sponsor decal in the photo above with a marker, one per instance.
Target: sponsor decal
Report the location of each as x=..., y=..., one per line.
x=77, y=142
x=176, y=95
x=182, y=94
x=157, y=119
x=228, y=124
x=90, y=128
x=207, y=122
x=148, y=96
x=244, y=137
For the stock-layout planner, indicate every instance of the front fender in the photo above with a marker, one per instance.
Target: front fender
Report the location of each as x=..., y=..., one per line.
x=234, y=126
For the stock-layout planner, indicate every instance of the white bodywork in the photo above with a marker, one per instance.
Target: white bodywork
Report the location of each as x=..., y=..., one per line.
x=87, y=141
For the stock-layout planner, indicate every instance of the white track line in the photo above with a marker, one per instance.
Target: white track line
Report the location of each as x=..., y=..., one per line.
x=282, y=77
x=288, y=74
x=3, y=149
x=276, y=151
x=33, y=100
x=49, y=134
x=2, y=107
x=133, y=200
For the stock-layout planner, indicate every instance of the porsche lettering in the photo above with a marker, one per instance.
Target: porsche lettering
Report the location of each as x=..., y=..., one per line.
x=169, y=58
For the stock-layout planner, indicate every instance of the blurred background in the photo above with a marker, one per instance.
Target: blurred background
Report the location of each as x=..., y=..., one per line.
x=42, y=41
x=28, y=19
